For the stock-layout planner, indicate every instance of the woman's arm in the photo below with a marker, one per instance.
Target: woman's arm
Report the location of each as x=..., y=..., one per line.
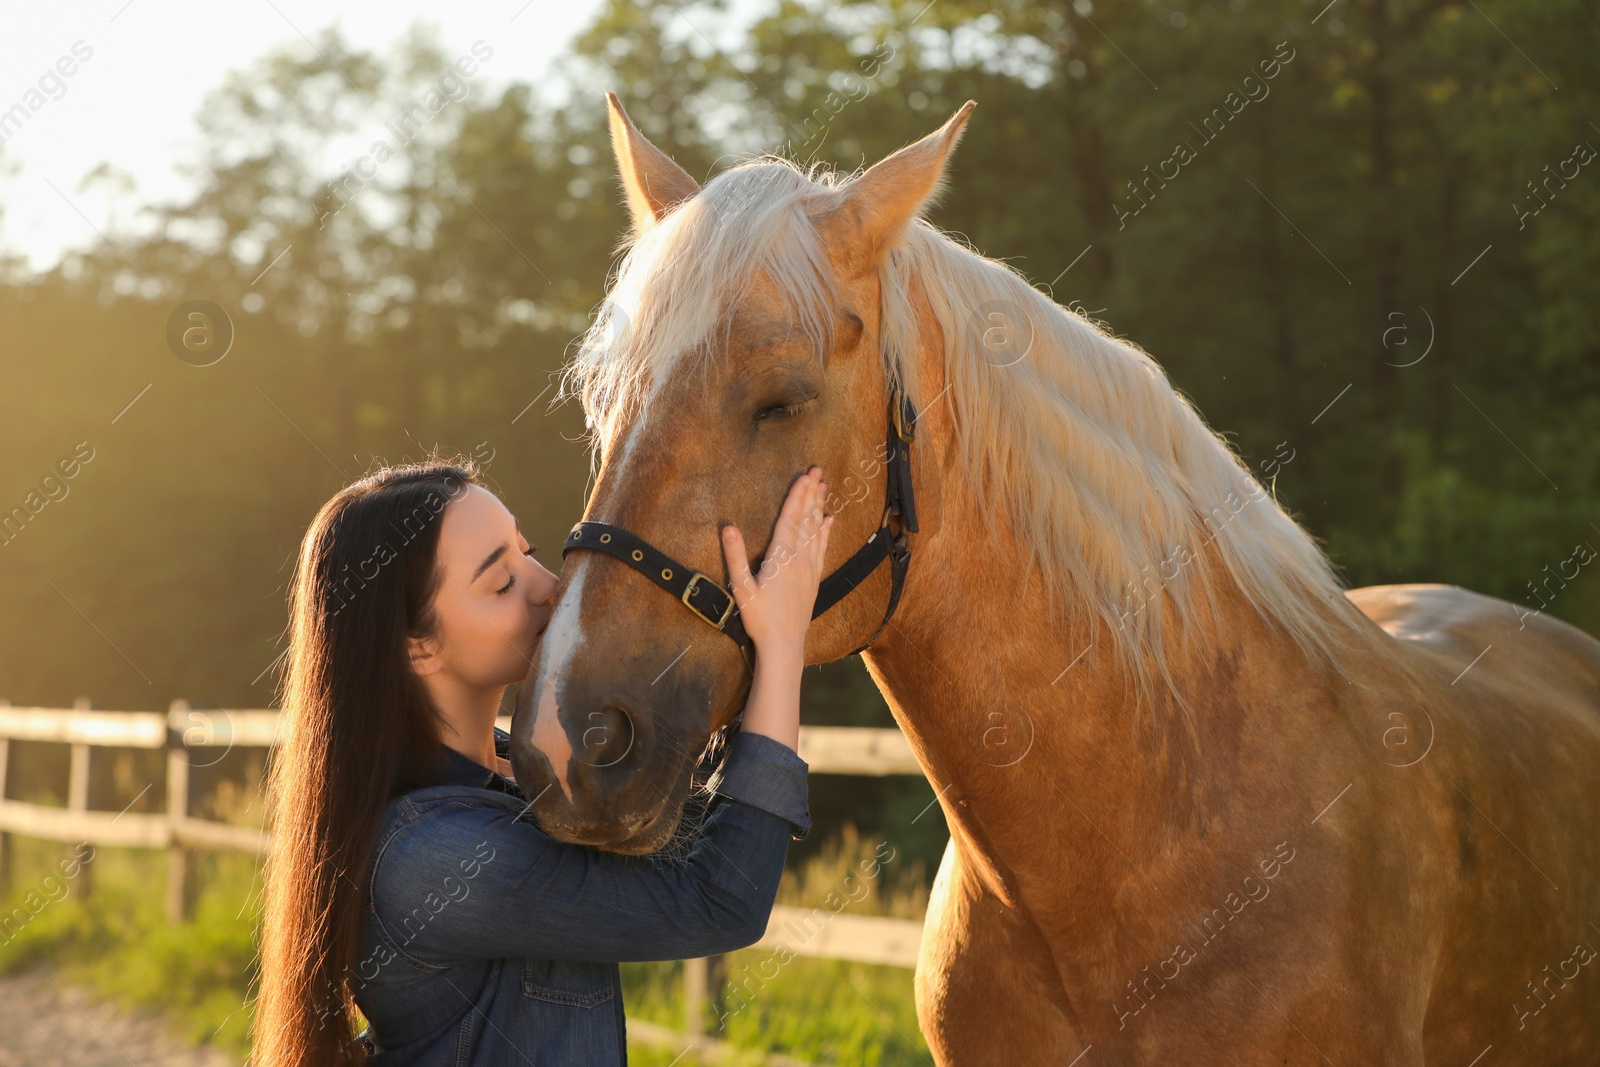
x=467, y=879
x=771, y=716
x=470, y=880
x=775, y=605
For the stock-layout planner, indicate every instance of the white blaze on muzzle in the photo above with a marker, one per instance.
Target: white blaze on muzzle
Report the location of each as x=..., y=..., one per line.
x=549, y=737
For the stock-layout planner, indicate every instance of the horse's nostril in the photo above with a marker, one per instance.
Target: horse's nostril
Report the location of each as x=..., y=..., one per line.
x=608, y=737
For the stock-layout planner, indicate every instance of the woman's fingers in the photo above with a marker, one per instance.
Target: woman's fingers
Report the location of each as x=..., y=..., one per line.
x=789, y=533
x=811, y=538
x=816, y=519
x=801, y=532
x=809, y=520
x=776, y=603
x=795, y=505
x=733, y=551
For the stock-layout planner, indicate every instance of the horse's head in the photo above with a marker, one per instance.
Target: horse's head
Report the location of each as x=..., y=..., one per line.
x=739, y=345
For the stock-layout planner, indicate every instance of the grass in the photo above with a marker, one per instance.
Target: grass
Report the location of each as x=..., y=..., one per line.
x=823, y=1011
x=104, y=929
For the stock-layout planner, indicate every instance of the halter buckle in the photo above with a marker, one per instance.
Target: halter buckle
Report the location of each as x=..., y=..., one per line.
x=689, y=590
x=898, y=415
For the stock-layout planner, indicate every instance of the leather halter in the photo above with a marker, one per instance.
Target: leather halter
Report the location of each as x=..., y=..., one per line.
x=717, y=606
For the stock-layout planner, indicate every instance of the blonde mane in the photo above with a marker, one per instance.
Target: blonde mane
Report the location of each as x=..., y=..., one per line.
x=1101, y=466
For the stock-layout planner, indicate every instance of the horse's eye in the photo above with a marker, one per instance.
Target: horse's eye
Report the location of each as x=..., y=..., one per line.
x=778, y=411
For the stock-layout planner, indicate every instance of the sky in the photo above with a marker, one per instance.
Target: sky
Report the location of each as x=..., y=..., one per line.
x=140, y=69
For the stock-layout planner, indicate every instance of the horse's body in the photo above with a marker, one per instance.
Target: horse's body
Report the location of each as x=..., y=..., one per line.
x=1077, y=904
x=1236, y=817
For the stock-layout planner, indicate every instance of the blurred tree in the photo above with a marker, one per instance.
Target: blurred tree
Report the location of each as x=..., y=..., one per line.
x=1360, y=228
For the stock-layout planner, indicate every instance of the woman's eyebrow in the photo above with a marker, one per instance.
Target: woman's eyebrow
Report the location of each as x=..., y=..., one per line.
x=489, y=561
x=496, y=554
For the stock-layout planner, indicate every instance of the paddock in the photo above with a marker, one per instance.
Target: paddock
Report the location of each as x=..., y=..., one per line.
x=192, y=737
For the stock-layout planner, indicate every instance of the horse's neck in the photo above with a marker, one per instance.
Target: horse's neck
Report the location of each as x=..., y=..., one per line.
x=1052, y=784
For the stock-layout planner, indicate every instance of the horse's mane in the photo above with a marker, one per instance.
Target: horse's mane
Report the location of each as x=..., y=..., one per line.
x=1100, y=465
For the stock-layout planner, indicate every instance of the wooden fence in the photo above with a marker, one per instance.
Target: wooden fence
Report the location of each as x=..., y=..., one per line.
x=190, y=736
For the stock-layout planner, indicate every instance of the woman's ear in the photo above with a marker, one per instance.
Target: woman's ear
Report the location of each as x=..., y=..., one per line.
x=424, y=655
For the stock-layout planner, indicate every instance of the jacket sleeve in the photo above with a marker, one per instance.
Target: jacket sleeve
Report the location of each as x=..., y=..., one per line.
x=470, y=880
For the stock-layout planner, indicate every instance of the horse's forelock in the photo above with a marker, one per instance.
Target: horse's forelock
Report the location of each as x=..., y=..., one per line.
x=672, y=294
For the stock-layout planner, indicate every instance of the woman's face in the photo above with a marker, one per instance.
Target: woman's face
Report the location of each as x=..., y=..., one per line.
x=494, y=598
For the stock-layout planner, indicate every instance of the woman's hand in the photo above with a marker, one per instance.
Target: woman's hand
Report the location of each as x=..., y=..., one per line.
x=776, y=603
x=776, y=606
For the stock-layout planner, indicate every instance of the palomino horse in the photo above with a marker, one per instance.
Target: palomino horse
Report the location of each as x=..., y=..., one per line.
x=1205, y=806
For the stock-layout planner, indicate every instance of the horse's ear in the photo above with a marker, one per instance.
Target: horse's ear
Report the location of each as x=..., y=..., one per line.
x=653, y=182
x=873, y=210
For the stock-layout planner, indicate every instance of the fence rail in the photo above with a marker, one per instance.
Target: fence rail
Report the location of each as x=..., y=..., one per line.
x=818, y=933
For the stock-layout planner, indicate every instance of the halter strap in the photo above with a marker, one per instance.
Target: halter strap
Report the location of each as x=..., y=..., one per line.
x=717, y=607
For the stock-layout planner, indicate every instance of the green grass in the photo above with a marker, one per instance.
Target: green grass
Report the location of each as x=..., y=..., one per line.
x=822, y=1011
x=107, y=932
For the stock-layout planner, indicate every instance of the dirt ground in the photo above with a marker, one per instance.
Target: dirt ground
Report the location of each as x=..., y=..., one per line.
x=46, y=1022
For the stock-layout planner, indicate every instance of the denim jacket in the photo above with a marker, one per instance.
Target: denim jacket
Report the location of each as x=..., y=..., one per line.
x=488, y=942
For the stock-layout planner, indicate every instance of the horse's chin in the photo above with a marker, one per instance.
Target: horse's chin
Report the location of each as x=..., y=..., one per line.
x=637, y=837
x=653, y=835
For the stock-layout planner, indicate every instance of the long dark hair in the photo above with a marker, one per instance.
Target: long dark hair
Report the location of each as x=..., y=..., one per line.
x=359, y=728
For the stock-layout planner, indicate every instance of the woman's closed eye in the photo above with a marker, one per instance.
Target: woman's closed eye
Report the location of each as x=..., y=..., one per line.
x=511, y=581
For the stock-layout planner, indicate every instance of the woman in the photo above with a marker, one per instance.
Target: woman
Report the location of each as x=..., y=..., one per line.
x=407, y=878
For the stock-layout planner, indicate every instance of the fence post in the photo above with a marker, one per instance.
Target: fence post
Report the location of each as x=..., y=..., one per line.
x=5, y=838
x=702, y=987
x=78, y=789
x=694, y=997
x=179, y=897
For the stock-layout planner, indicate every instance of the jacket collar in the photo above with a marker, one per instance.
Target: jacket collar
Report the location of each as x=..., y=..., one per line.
x=457, y=769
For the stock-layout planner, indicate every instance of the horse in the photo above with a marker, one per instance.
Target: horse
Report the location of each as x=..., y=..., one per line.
x=1205, y=804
